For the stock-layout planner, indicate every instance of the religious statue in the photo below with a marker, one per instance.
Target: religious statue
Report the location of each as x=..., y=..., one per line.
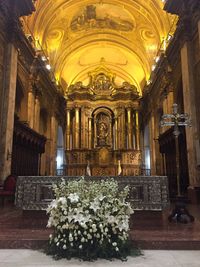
x=102, y=82
x=102, y=133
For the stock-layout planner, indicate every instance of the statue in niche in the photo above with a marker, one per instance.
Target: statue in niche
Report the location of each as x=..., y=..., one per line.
x=102, y=130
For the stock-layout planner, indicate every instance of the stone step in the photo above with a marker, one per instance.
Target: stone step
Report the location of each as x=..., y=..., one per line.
x=149, y=230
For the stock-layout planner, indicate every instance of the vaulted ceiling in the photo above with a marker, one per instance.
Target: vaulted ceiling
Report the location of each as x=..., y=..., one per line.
x=123, y=35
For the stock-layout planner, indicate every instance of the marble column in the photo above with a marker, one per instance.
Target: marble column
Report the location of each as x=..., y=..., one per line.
x=31, y=107
x=77, y=128
x=137, y=130
x=7, y=110
x=68, y=129
x=189, y=99
x=129, y=128
x=37, y=114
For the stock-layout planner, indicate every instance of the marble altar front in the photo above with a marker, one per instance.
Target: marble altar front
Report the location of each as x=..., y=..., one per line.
x=146, y=192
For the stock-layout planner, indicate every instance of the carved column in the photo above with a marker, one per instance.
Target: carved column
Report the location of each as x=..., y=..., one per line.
x=86, y=125
x=190, y=108
x=37, y=114
x=31, y=107
x=121, y=128
x=137, y=130
x=77, y=128
x=68, y=129
x=83, y=128
x=90, y=132
x=134, y=130
x=129, y=128
x=116, y=132
x=7, y=110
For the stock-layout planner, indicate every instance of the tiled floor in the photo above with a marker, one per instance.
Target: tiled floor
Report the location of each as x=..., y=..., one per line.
x=150, y=258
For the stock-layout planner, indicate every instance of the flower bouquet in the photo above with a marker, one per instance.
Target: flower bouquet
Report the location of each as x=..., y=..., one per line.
x=90, y=220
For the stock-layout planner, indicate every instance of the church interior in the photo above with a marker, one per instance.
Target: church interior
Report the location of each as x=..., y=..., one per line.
x=87, y=89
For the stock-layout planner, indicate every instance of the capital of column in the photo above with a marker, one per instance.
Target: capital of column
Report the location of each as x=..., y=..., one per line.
x=129, y=109
x=76, y=106
x=68, y=110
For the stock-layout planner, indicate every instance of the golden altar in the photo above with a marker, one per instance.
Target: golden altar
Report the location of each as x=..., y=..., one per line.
x=102, y=134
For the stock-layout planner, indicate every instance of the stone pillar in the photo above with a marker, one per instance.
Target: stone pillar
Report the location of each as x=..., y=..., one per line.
x=170, y=102
x=190, y=108
x=165, y=106
x=31, y=108
x=37, y=114
x=68, y=129
x=137, y=130
x=152, y=144
x=7, y=110
x=158, y=156
x=129, y=128
x=77, y=128
x=198, y=24
x=53, y=146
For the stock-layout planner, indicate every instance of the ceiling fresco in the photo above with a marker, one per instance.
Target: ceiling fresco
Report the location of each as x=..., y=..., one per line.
x=102, y=17
x=76, y=35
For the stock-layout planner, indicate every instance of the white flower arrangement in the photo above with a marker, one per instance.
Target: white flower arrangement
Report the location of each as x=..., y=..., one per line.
x=90, y=220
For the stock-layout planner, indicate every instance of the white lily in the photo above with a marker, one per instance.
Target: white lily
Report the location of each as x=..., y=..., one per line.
x=73, y=197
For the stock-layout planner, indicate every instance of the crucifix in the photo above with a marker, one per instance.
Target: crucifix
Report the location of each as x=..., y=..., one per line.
x=175, y=119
